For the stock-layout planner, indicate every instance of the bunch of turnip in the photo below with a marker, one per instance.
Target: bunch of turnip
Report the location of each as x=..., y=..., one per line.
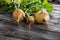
x=31, y=14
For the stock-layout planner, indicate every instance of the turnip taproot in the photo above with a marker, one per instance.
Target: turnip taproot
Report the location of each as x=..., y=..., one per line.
x=18, y=15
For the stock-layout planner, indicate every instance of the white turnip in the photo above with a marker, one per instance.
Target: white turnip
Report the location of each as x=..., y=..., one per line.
x=42, y=17
x=30, y=20
x=18, y=15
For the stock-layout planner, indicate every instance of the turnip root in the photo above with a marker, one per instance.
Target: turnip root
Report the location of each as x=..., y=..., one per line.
x=18, y=15
x=30, y=20
x=42, y=17
x=39, y=16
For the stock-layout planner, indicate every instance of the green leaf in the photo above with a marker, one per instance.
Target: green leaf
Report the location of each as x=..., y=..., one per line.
x=8, y=1
x=1, y=0
x=45, y=2
x=26, y=2
x=36, y=0
x=49, y=7
x=4, y=8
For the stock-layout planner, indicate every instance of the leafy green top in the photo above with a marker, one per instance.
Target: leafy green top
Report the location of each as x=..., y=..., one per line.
x=31, y=5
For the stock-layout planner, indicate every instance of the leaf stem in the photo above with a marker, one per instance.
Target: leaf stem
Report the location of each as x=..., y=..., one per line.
x=15, y=6
x=27, y=13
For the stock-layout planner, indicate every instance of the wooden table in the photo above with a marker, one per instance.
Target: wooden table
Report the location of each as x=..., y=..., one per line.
x=9, y=30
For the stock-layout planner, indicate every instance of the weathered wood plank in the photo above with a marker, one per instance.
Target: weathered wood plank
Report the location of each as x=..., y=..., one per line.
x=31, y=34
x=9, y=27
x=8, y=38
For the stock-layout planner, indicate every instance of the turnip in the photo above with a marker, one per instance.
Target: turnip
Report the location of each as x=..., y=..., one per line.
x=39, y=16
x=42, y=17
x=30, y=20
x=18, y=15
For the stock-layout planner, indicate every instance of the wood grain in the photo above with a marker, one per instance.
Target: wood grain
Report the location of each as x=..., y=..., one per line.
x=9, y=28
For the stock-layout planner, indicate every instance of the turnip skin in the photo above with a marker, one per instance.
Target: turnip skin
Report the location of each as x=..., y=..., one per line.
x=42, y=17
x=18, y=15
x=47, y=17
x=30, y=19
x=39, y=16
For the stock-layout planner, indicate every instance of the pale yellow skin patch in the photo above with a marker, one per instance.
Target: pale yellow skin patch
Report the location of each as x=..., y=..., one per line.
x=42, y=15
x=18, y=15
x=39, y=16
